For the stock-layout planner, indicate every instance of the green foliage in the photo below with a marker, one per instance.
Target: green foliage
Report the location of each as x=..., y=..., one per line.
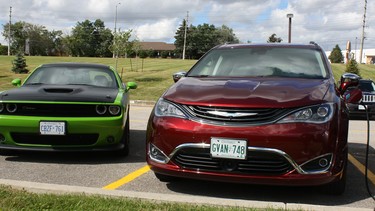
x=3, y=50
x=143, y=54
x=201, y=38
x=336, y=55
x=121, y=45
x=352, y=67
x=33, y=39
x=274, y=39
x=90, y=39
x=19, y=64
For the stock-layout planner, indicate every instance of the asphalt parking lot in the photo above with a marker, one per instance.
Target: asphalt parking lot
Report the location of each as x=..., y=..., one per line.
x=104, y=173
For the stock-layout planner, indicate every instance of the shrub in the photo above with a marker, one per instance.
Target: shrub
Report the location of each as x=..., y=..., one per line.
x=352, y=67
x=336, y=55
x=19, y=64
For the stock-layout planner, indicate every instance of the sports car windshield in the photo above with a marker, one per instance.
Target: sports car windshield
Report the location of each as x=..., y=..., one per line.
x=70, y=75
x=261, y=62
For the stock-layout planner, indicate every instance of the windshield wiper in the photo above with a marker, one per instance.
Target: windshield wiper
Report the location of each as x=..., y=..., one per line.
x=36, y=83
x=200, y=76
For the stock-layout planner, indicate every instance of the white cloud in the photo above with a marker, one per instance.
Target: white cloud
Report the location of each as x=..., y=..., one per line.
x=164, y=29
x=326, y=22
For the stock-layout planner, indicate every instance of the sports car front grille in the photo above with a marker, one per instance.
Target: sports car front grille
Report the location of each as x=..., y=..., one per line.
x=68, y=140
x=55, y=110
x=266, y=163
x=236, y=115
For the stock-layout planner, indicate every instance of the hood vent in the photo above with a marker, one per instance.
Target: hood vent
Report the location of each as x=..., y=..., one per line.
x=58, y=90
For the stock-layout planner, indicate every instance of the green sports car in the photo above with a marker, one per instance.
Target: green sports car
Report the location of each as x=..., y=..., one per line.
x=67, y=107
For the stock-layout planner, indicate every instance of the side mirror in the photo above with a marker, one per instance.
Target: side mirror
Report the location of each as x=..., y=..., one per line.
x=16, y=82
x=348, y=80
x=131, y=85
x=178, y=76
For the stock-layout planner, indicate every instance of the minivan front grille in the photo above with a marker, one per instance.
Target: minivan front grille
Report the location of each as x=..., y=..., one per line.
x=266, y=163
x=237, y=115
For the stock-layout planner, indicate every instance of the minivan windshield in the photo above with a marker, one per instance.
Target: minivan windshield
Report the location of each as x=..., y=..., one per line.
x=261, y=62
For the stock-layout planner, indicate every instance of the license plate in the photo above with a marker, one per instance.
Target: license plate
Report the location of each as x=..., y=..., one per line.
x=52, y=128
x=228, y=148
x=361, y=107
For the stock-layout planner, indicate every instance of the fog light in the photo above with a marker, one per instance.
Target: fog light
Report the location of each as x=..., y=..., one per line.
x=323, y=162
x=157, y=155
x=110, y=139
x=318, y=165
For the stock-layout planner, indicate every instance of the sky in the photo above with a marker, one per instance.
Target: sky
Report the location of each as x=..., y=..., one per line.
x=326, y=22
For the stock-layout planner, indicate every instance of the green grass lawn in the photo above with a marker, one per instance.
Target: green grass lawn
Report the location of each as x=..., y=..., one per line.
x=153, y=76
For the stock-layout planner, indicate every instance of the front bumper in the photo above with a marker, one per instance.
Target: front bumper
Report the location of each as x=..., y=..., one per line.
x=82, y=133
x=287, y=154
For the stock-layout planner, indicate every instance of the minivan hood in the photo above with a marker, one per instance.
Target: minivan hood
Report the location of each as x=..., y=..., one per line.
x=250, y=92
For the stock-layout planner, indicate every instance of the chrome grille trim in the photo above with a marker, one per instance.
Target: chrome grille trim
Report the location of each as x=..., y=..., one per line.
x=235, y=116
x=254, y=149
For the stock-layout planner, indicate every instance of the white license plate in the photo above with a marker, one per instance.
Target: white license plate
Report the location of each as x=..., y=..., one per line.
x=361, y=107
x=228, y=148
x=52, y=128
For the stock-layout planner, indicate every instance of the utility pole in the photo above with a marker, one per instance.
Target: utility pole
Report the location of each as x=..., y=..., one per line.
x=363, y=34
x=9, y=36
x=114, y=37
x=186, y=23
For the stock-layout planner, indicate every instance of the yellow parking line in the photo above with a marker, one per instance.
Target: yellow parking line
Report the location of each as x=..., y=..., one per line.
x=128, y=178
x=361, y=168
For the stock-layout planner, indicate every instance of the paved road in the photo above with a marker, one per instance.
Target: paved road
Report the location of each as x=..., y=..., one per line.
x=106, y=171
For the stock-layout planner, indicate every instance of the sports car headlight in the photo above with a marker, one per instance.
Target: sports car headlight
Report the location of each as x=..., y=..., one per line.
x=313, y=114
x=166, y=108
x=1, y=107
x=114, y=110
x=11, y=108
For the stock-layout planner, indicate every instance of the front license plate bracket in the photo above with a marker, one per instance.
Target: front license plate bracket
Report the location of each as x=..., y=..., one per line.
x=228, y=148
x=52, y=128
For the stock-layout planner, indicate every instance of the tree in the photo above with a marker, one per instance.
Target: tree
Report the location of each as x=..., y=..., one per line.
x=32, y=39
x=121, y=44
x=3, y=50
x=90, y=39
x=201, y=38
x=274, y=39
x=352, y=67
x=336, y=55
x=19, y=64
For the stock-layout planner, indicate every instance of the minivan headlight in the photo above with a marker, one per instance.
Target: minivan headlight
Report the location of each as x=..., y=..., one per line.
x=313, y=114
x=166, y=108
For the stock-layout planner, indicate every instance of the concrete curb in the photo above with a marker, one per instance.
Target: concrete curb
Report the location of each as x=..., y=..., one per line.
x=157, y=197
x=142, y=103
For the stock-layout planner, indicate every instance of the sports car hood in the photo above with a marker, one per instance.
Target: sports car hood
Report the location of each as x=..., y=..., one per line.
x=67, y=93
x=255, y=92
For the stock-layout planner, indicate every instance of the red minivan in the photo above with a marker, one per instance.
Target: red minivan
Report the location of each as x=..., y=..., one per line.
x=250, y=113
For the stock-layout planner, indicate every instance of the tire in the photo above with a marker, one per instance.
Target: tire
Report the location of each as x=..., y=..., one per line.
x=164, y=178
x=125, y=140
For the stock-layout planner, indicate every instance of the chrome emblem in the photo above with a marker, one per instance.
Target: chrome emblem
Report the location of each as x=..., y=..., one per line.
x=231, y=115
